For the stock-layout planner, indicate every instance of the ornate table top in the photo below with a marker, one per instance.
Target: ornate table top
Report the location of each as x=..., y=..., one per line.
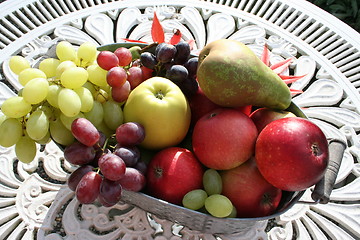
x=35, y=202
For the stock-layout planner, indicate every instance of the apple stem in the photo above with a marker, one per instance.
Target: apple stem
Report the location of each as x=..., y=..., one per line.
x=158, y=172
x=315, y=149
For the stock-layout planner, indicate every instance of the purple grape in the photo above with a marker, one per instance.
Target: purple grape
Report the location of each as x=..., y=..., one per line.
x=130, y=134
x=88, y=188
x=130, y=155
x=191, y=65
x=182, y=52
x=133, y=180
x=148, y=60
x=110, y=192
x=112, y=166
x=189, y=87
x=177, y=73
x=165, y=52
x=79, y=154
x=76, y=176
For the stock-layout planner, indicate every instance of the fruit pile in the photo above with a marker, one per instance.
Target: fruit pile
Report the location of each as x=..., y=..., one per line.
x=211, y=133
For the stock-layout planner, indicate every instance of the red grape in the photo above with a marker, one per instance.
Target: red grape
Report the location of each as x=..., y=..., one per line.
x=120, y=94
x=116, y=77
x=79, y=154
x=112, y=166
x=130, y=155
x=133, y=180
x=135, y=76
x=124, y=55
x=130, y=134
x=107, y=60
x=85, y=132
x=88, y=188
x=146, y=72
x=110, y=192
x=76, y=176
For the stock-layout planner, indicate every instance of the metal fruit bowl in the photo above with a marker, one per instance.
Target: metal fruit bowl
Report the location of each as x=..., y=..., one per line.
x=208, y=224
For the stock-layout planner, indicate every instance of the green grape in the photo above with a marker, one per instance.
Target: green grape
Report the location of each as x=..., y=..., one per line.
x=25, y=149
x=87, y=100
x=102, y=127
x=15, y=107
x=233, y=213
x=194, y=199
x=101, y=95
x=10, y=132
x=90, y=87
x=96, y=114
x=74, y=77
x=113, y=114
x=37, y=125
x=2, y=118
x=97, y=75
x=67, y=121
x=86, y=53
x=218, y=205
x=65, y=51
x=36, y=90
x=69, y=102
x=62, y=67
x=60, y=134
x=30, y=73
x=18, y=63
x=212, y=182
x=45, y=140
x=53, y=95
x=49, y=66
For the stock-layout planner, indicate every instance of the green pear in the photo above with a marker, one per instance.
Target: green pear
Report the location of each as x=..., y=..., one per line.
x=231, y=75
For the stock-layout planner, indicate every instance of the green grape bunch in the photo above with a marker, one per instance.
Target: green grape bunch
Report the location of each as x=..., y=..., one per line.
x=60, y=89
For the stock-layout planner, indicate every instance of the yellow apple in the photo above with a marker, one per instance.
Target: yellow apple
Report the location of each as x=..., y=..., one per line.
x=161, y=107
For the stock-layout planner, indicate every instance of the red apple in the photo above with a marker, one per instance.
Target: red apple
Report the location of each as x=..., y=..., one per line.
x=200, y=105
x=245, y=109
x=172, y=173
x=224, y=138
x=263, y=116
x=292, y=153
x=249, y=192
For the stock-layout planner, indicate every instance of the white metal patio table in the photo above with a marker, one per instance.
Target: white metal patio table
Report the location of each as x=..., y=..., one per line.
x=35, y=202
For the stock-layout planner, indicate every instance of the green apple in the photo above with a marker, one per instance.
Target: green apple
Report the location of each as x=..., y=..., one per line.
x=161, y=107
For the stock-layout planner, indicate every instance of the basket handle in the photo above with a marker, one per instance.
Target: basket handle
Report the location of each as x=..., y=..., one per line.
x=324, y=187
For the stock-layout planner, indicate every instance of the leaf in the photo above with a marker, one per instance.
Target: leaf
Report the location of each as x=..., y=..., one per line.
x=290, y=79
x=131, y=40
x=295, y=91
x=191, y=42
x=157, y=32
x=281, y=66
x=176, y=37
x=265, y=55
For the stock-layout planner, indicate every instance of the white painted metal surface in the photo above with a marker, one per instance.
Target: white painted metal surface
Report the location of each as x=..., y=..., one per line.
x=34, y=200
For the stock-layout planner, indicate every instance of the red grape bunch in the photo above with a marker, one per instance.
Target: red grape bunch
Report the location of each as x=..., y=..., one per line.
x=105, y=170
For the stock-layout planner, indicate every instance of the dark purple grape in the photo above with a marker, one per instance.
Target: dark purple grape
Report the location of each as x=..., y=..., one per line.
x=130, y=155
x=148, y=60
x=88, y=188
x=76, y=176
x=101, y=141
x=110, y=192
x=189, y=87
x=79, y=154
x=165, y=52
x=141, y=166
x=133, y=180
x=177, y=73
x=191, y=65
x=130, y=134
x=182, y=52
x=112, y=166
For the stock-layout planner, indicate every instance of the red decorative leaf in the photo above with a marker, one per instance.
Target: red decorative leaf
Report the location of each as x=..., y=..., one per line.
x=281, y=66
x=135, y=41
x=265, y=55
x=295, y=91
x=191, y=42
x=176, y=37
x=290, y=79
x=157, y=32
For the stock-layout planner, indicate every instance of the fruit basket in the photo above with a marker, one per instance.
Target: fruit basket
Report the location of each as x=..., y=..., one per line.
x=209, y=224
